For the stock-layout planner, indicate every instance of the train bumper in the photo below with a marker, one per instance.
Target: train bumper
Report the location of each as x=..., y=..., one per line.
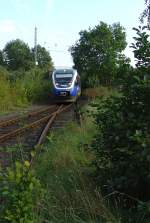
x=65, y=92
x=66, y=95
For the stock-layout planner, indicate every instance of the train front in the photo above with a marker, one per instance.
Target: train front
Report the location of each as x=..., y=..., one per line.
x=65, y=85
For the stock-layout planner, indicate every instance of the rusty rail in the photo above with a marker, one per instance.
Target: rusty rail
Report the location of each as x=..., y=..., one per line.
x=47, y=121
x=34, y=124
x=30, y=114
x=44, y=133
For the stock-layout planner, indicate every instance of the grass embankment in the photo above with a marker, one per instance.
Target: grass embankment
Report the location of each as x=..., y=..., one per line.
x=64, y=171
x=93, y=93
x=30, y=87
x=12, y=95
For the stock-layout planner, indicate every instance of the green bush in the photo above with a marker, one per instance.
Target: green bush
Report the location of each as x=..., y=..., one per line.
x=122, y=141
x=121, y=146
x=11, y=94
x=37, y=86
x=20, y=88
x=20, y=191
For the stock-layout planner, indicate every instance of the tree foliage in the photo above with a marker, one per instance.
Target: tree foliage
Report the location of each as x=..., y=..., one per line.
x=97, y=52
x=122, y=141
x=43, y=57
x=146, y=13
x=1, y=58
x=17, y=55
x=141, y=49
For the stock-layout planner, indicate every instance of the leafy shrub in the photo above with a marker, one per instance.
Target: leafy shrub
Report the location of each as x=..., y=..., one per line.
x=122, y=141
x=20, y=192
x=94, y=93
x=11, y=94
x=36, y=85
x=19, y=89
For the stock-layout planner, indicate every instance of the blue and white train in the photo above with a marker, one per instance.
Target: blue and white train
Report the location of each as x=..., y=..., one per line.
x=66, y=85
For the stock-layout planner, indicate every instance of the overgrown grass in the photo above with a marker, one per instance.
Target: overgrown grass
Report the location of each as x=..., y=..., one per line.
x=64, y=170
x=37, y=85
x=30, y=87
x=93, y=93
x=11, y=95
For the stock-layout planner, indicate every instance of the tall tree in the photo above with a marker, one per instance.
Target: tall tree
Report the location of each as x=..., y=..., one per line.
x=97, y=51
x=43, y=57
x=122, y=141
x=141, y=49
x=17, y=55
x=146, y=13
x=1, y=58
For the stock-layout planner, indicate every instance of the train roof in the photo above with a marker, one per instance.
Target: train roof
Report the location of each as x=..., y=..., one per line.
x=64, y=71
x=60, y=71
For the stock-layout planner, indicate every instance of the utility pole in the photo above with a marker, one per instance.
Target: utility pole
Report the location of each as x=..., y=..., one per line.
x=35, y=46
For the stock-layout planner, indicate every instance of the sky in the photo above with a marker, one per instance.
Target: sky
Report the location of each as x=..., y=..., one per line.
x=59, y=22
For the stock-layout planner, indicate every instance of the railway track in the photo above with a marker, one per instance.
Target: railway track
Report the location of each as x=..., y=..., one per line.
x=29, y=130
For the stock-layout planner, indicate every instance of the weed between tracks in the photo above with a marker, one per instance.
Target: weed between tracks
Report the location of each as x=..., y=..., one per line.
x=64, y=171
x=60, y=188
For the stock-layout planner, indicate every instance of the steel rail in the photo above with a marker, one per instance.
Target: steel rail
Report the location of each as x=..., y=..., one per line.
x=44, y=133
x=31, y=114
x=21, y=130
x=51, y=117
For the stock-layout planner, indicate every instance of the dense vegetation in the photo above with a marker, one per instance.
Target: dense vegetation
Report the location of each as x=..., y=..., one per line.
x=146, y=13
x=17, y=55
x=20, y=191
x=98, y=55
x=22, y=82
x=97, y=172
x=60, y=187
x=122, y=142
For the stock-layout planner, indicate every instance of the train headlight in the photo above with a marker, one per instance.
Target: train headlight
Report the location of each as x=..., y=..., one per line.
x=69, y=84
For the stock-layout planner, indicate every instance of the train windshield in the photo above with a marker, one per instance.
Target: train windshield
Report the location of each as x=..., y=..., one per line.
x=63, y=76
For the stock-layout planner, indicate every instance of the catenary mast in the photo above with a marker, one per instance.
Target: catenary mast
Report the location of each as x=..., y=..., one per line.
x=35, y=46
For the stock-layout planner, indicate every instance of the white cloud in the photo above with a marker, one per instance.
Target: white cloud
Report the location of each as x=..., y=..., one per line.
x=7, y=26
